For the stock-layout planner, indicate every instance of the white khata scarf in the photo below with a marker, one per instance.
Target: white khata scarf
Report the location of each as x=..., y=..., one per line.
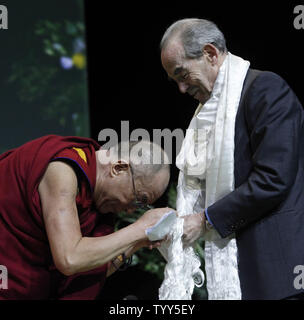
x=206, y=163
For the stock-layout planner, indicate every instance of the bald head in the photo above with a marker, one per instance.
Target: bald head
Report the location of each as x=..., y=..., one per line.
x=146, y=158
x=149, y=164
x=130, y=172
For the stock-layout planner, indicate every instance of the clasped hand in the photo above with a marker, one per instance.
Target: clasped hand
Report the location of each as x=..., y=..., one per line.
x=194, y=227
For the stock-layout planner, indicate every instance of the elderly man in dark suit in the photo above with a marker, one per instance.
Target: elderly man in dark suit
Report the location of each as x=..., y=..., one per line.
x=265, y=210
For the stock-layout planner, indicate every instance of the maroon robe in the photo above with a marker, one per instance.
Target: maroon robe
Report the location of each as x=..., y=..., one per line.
x=24, y=246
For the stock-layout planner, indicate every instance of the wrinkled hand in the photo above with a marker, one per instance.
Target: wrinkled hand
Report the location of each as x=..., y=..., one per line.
x=149, y=218
x=194, y=228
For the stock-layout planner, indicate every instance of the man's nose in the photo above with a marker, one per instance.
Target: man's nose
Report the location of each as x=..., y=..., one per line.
x=182, y=87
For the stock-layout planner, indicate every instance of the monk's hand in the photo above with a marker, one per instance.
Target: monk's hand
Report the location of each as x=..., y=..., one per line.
x=147, y=244
x=150, y=218
x=194, y=228
x=153, y=244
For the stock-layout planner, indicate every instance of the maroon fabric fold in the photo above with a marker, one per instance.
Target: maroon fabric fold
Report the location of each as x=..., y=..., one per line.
x=24, y=247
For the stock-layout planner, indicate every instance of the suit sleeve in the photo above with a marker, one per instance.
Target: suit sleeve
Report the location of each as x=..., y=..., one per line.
x=274, y=116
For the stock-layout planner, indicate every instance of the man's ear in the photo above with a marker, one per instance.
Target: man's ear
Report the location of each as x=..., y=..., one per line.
x=119, y=167
x=211, y=53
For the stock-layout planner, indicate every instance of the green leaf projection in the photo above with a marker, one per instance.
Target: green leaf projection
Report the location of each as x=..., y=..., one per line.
x=52, y=75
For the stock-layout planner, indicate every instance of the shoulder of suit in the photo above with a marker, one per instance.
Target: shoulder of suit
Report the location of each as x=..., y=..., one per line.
x=267, y=86
x=268, y=77
x=266, y=82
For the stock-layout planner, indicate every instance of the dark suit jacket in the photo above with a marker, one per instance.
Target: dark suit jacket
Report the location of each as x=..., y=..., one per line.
x=266, y=209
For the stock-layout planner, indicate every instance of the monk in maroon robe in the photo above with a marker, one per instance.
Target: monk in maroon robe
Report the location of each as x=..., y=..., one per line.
x=26, y=230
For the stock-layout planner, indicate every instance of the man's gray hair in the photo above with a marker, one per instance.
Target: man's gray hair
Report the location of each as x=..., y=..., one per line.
x=195, y=34
x=146, y=158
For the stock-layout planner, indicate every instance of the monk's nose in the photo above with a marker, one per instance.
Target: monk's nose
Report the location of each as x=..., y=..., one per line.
x=182, y=87
x=130, y=210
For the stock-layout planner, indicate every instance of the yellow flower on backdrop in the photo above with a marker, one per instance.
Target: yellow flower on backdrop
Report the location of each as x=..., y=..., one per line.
x=79, y=60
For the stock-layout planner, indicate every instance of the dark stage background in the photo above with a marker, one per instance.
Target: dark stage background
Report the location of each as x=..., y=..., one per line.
x=126, y=79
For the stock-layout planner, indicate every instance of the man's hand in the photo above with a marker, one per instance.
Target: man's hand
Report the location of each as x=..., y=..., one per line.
x=194, y=227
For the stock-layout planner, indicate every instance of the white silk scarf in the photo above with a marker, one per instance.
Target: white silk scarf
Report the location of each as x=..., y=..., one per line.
x=206, y=163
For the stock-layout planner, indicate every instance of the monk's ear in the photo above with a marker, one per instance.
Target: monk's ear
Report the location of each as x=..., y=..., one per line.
x=118, y=167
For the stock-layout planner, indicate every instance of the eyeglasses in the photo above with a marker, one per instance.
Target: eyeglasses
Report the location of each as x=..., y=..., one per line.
x=137, y=203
